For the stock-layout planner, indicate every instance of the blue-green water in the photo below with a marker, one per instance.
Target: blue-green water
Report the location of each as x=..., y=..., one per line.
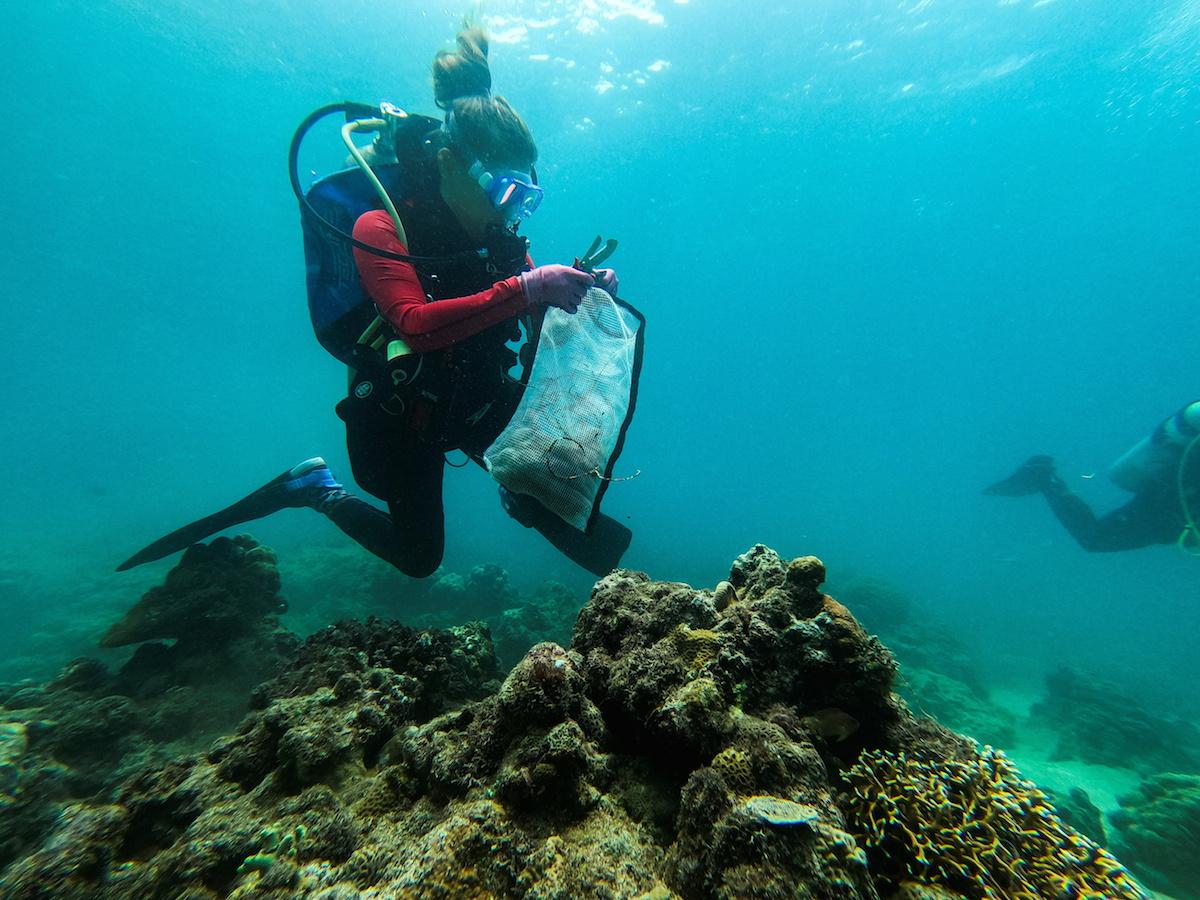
x=886, y=250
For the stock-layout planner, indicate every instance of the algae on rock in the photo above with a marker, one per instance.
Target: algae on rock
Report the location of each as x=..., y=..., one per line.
x=687, y=743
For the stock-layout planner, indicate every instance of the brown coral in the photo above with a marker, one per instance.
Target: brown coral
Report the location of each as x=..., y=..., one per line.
x=977, y=828
x=734, y=766
x=697, y=647
x=217, y=590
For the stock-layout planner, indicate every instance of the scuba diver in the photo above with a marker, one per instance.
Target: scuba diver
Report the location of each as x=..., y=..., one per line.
x=447, y=283
x=1163, y=473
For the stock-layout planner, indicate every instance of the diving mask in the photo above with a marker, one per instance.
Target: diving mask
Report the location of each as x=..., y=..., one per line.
x=514, y=193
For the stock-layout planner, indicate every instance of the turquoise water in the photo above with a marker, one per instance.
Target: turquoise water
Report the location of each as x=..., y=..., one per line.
x=886, y=251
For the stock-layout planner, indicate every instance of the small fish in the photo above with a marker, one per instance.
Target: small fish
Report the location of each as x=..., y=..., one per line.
x=831, y=724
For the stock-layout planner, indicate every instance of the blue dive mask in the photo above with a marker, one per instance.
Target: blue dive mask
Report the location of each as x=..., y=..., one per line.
x=514, y=193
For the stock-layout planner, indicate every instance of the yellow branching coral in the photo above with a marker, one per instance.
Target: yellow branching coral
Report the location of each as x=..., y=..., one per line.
x=977, y=828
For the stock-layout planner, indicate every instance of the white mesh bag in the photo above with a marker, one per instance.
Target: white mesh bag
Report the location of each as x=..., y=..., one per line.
x=562, y=441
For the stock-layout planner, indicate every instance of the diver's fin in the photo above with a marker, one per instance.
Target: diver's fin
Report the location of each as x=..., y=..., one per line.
x=184, y=537
x=1031, y=477
x=304, y=484
x=599, y=551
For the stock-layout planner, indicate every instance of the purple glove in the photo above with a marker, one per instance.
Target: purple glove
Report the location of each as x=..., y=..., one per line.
x=607, y=279
x=556, y=285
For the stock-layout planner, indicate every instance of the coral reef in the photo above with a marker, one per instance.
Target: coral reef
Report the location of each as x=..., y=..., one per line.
x=340, y=583
x=274, y=850
x=1099, y=723
x=486, y=594
x=85, y=731
x=548, y=615
x=473, y=595
x=976, y=828
x=1156, y=829
x=956, y=706
x=351, y=687
x=217, y=590
x=686, y=743
x=1076, y=808
x=939, y=674
x=260, y=801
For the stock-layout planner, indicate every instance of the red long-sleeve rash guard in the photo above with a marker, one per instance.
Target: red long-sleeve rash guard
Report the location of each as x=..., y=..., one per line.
x=401, y=300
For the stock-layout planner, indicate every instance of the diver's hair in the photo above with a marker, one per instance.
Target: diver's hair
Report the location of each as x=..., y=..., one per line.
x=488, y=127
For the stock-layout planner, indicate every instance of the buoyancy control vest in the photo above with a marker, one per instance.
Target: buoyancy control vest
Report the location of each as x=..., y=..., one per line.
x=464, y=394
x=457, y=397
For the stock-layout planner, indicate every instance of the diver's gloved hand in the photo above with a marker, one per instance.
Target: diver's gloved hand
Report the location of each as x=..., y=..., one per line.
x=607, y=279
x=556, y=285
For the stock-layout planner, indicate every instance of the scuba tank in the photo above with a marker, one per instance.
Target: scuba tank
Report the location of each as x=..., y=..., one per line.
x=1156, y=456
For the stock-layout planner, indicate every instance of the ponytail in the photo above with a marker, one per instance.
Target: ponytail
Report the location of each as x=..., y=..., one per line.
x=481, y=126
x=463, y=72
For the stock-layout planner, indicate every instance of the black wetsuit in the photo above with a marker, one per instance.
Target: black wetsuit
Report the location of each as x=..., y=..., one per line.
x=401, y=460
x=1155, y=515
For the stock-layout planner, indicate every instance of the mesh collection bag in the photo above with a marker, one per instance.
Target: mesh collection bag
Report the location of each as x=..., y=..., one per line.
x=567, y=432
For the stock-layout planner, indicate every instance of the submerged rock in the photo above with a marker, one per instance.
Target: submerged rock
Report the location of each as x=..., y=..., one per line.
x=1100, y=723
x=686, y=743
x=1156, y=830
x=1076, y=808
x=88, y=729
x=217, y=590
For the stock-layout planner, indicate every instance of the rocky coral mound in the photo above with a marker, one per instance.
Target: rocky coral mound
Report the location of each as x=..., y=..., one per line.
x=688, y=743
x=1156, y=831
x=78, y=736
x=1099, y=722
x=217, y=591
x=340, y=581
x=276, y=791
